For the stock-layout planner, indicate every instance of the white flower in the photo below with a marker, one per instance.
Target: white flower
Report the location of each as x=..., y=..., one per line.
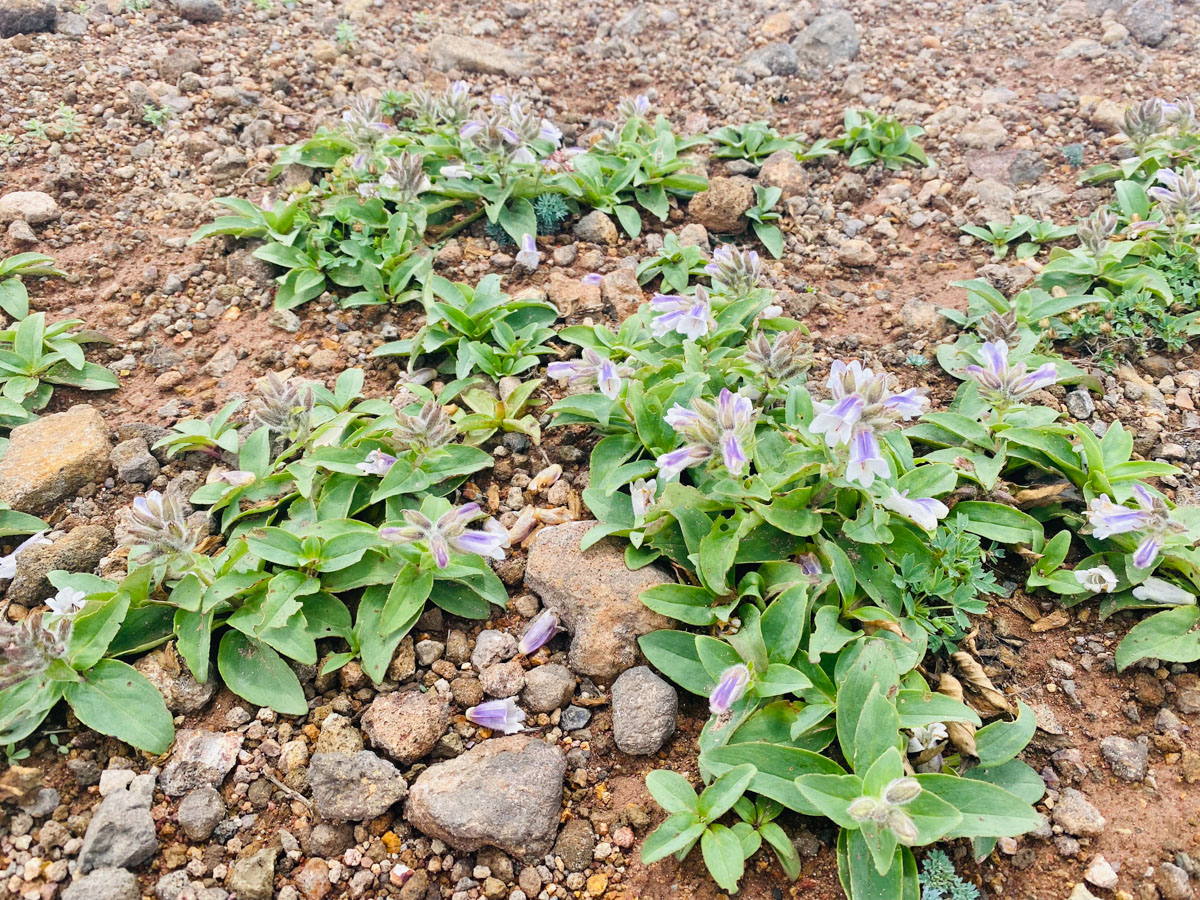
x=8, y=564
x=456, y=172
x=528, y=255
x=924, y=511
x=643, y=492
x=926, y=737
x=1098, y=580
x=67, y=601
x=1156, y=590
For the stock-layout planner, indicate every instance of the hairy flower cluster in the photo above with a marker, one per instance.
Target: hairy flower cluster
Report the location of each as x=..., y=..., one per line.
x=1152, y=518
x=862, y=406
x=452, y=106
x=1178, y=194
x=786, y=358
x=735, y=273
x=1144, y=120
x=509, y=129
x=996, y=326
x=284, y=406
x=429, y=429
x=1007, y=382
x=887, y=810
x=691, y=317
x=1094, y=231
x=157, y=527
x=28, y=647
x=725, y=429
x=363, y=124
x=404, y=179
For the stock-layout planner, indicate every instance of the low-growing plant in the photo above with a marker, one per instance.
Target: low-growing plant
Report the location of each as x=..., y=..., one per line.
x=156, y=116
x=675, y=263
x=1029, y=234
x=763, y=218
x=869, y=137
x=68, y=120
x=36, y=129
x=345, y=34
x=1159, y=135
x=14, y=298
x=940, y=881
x=754, y=142
x=211, y=436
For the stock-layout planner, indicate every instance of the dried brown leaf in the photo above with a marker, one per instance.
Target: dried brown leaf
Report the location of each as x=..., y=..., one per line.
x=961, y=734
x=982, y=694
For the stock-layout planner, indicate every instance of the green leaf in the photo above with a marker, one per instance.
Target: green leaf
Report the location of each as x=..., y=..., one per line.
x=877, y=731
x=987, y=810
x=831, y=796
x=723, y=856
x=1000, y=523
x=687, y=603
x=672, y=791
x=674, y=654
x=1173, y=636
x=254, y=671
x=116, y=699
x=678, y=834
x=999, y=742
x=718, y=798
x=776, y=769
x=95, y=627
x=862, y=881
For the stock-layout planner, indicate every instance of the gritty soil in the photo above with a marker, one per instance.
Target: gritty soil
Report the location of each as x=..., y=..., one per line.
x=191, y=327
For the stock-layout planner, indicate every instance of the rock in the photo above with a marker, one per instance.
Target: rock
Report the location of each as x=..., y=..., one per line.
x=919, y=316
x=596, y=597
x=200, y=758
x=27, y=16
x=644, y=709
x=1015, y=167
x=329, y=840
x=694, y=235
x=597, y=228
x=1080, y=891
x=179, y=62
x=169, y=673
x=1103, y=113
x=313, y=879
x=856, y=253
x=721, y=208
x=481, y=57
x=621, y=291
x=1150, y=21
x=104, y=884
x=782, y=170
x=1080, y=403
x=338, y=735
x=995, y=201
x=32, y=207
x=20, y=232
x=200, y=12
x=133, y=462
x=79, y=550
x=492, y=647
x=575, y=717
x=503, y=679
x=50, y=459
x=200, y=811
x=1127, y=759
x=829, y=39
x=428, y=652
x=1085, y=47
x=576, y=843
x=406, y=725
x=850, y=188
x=632, y=23
x=356, y=787
x=1075, y=813
x=548, y=688
x=404, y=662
x=253, y=878
x=121, y=832
x=504, y=793
x=988, y=133
x=779, y=58
x=1173, y=882
x=1100, y=873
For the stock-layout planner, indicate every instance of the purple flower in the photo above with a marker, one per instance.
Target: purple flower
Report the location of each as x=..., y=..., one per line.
x=1152, y=517
x=1157, y=590
x=471, y=129
x=456, y=172
x=448, y=533
x=377, y=463
x=529, y=256
x=1147, y=552
x=810, y=565
x=724, y=429
x=593, y=278
x=550, y=132
x=592, y=368
x=1108, y=518
x=866, y=462
x=837, y=421
x=1010, y=383
x=924, y=511
x=734, y=272
x=729, y=690
x=498, y=715
x=1179, y=194
x=509, y=135
x=543, y=627
x=688, y=316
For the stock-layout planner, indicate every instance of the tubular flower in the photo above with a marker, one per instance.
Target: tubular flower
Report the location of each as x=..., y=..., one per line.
x=724, y=429
x=924, y=511
x=377, y=463
x=498, y=715
x=634, y=107
x=1178, y=193
x=729, y=690
x=528, y=255
x=67, y=601
x=1098, y=580
x=1152, y=516
x=1011, y=383
x=643, y=493
x=926, y=737
x=448, y=533
x=405, y=177
x=734, y=272
x=591, y=368
x=8, y=564
x=1158, y=590
x=543, y=627
x=28, y=647
x=689, y=316
x=157, y=527
x=861, y=405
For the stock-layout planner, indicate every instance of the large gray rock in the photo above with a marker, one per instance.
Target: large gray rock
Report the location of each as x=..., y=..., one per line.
x=168, y=672
x=1128, y=759
x=548, y=688
x=200, y=758
x=200, y=12
x=829, y=39
x=104, y=884
x=644, y=708
x=51, y=458
x=595, y=596
x=504, y=793
x=1077, y=816
x=470, y=54
x=27, y=16
x=406, y=725
x=356, y=787
x=779, y=58
x=1150, y=21
x=121, y=833
x=34, y=207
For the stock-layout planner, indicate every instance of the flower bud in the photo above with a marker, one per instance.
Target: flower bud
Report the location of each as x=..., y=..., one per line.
x=901, y=791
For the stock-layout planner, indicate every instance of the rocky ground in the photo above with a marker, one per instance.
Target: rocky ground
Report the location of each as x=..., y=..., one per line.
x=249, y=805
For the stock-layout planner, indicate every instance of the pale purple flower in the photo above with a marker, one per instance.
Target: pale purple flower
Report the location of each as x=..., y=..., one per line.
x=730, y=689
x=498, y=715
x=528, y=255
x=810, y=565
x=837, y=420
x=8, y=564
x=643, y=492
x=689, y=316
x=924, y=511
x=592, y=278
x=1179, y=193
x=448, y=533
x=591, y=368
x=866, y=462
x=523, y=155
x=635, y=107
x=1152, y=516
x=543, y=627
x=550, y=132
x=1008, y=382
x=471, y=129
x=725, y=428
x=926, y=737
x=1098, y=579
x=377, y=463
x=68, y=600
x=510, y=136
x=456, y=171
x=734, y=272
x=1108, y=518
x=238, y=478
x=1147, y=551
x=1158, y=590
